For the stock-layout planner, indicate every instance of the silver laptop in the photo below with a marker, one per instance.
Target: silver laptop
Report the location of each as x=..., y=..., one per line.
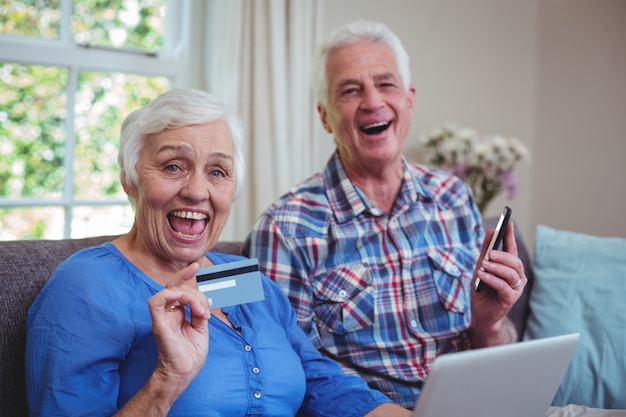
x=514, y=380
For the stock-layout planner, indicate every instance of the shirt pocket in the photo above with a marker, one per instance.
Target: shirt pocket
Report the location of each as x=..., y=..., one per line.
x=452, y=270
x=344, y=299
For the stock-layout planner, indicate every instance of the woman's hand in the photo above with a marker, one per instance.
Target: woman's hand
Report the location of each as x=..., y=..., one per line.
x=183, y=344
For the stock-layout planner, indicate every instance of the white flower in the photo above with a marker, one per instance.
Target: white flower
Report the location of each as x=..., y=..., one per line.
x=519, y=149
x=485, y=163
x=498, y=142
x=467, y=134
x=483, y=152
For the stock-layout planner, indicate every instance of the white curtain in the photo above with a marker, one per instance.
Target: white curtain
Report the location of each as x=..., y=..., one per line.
x=258, y=63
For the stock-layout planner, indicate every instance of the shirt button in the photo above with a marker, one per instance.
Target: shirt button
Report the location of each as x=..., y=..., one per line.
x=343, y=293
x=247, y=348
x=257, y=394
x=255, y=370
x=413, y=324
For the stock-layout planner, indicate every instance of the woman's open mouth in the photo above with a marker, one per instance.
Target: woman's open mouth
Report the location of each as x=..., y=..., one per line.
x=187, y=224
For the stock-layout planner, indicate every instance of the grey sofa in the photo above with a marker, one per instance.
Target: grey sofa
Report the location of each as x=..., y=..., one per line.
x=25, y=266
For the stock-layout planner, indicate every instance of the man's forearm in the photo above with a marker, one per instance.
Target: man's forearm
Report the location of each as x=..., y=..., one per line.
x=389, y=410
x=503, y=333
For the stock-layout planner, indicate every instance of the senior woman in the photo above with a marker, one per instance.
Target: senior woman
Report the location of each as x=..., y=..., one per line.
x=121, y=328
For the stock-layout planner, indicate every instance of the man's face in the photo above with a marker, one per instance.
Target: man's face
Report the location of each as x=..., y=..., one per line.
x=369, y=110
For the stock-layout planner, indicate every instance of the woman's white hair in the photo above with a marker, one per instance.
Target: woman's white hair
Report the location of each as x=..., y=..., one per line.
x=351, y=34
x=173, y=109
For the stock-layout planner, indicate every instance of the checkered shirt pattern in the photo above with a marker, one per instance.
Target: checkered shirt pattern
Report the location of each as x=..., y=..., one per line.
x=382, y=293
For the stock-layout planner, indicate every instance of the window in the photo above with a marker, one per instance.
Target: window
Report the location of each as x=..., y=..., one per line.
x=70, y=72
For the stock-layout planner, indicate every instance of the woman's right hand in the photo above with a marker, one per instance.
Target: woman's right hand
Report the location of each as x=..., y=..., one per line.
x=183, y=344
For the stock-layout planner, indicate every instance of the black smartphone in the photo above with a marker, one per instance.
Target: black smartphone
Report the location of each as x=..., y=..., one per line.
x=496, y=239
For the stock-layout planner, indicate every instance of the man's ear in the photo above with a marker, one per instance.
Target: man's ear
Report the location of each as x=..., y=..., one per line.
x=411, y=93
x=322, y=112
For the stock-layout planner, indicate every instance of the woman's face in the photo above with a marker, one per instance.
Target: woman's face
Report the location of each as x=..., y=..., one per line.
x=185, y=191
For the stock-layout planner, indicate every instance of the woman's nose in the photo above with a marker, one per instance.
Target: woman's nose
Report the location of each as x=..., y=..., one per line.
x=196, y=187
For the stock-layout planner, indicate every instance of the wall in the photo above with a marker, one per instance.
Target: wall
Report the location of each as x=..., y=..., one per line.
x=550, y=72
x=580, y=140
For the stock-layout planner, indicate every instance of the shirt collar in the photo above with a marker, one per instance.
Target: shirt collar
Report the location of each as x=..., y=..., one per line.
x=348, y=201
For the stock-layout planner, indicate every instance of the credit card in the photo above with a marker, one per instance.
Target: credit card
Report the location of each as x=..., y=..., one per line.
x=231, y=283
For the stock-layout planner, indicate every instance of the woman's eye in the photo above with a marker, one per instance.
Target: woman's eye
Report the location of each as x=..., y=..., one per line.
x=217, y=173
x=172, y=168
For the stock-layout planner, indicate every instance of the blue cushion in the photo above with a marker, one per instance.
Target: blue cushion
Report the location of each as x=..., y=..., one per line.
x=580, y=286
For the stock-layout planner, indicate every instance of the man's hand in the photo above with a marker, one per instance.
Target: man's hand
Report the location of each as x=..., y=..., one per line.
x=504, y=280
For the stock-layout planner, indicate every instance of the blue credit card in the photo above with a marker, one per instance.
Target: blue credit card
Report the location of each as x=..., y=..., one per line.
x=231, y=283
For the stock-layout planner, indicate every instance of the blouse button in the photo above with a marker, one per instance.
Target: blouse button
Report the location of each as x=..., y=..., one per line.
x=257, y=394
x=255, y=370
x=413, y=324
x=247, y=348
x=343, y=293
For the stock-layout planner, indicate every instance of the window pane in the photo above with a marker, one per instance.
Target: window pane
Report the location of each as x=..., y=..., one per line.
x=101, y=221
x=132, y=24
x=32, y=130
x=31, y=223
x=39, y=18
x=102, y=103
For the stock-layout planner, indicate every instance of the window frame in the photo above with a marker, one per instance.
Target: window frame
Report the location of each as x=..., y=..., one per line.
x=63, y=52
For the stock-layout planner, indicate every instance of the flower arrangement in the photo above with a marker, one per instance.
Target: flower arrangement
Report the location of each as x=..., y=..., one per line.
x=486, y=163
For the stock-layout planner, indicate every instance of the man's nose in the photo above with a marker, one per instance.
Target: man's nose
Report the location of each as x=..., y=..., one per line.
x=372, y=98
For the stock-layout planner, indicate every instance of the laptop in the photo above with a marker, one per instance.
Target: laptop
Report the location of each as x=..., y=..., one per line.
x=513, y=380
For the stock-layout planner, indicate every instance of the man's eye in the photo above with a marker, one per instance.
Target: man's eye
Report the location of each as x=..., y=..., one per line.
x=348, y=91
x=172, y=168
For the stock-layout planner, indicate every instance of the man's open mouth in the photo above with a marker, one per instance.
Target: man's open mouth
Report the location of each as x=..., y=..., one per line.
x=188, y=224
x=375, y=128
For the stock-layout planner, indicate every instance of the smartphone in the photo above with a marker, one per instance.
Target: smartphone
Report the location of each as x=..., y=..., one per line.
x=496, y=239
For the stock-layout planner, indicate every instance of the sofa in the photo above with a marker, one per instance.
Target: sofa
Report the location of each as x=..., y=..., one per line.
x=25, y=266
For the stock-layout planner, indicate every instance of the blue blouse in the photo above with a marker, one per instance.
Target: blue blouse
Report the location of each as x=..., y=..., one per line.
x=90, y=348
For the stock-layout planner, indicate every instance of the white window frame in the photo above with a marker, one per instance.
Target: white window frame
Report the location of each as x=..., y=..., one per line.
x=63, y=52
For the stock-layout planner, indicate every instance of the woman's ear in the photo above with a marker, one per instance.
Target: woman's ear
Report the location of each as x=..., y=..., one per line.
x=130, y=190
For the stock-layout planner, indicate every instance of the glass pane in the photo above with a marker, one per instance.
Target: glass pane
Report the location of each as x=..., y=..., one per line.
x=102, y=102
x=132, y=24
x=90, y=221
x=32, y=130
x=39, y=18
x=31, y=223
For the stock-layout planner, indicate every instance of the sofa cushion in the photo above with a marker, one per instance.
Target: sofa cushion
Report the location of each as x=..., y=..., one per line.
x=580, y=286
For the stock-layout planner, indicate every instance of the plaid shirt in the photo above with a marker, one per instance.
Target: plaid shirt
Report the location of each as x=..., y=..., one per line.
x=382, y=293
